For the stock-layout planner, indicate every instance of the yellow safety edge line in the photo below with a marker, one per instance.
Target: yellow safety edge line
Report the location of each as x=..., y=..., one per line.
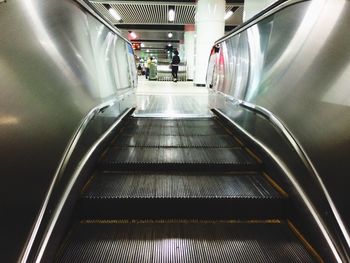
x=306, y=244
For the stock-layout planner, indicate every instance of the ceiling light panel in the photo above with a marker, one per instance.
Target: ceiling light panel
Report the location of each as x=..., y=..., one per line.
x=185, y=14
x=149, y=13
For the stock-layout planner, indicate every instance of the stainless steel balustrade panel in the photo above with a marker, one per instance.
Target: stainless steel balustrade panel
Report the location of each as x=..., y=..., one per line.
x=299, y=70
x=57, y=62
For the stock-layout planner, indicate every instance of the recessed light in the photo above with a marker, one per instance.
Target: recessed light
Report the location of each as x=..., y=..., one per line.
x=171, y=13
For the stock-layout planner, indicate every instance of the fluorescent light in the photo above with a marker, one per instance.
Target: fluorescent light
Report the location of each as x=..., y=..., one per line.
x=169, y=45
x=170, y=35
x=114, y=14
x=171, y=15
x=228, y=15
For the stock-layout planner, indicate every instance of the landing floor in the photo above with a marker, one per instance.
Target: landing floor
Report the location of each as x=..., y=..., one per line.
x=170, y=99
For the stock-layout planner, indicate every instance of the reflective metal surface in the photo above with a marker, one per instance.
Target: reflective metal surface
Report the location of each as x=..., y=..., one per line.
x=299, y=71
x=57, y=62
x=64, y=196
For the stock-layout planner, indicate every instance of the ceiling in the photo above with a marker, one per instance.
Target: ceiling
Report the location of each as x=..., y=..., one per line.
x=149, y=19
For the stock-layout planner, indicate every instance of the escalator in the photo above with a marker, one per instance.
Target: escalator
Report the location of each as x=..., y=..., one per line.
x=181, y=190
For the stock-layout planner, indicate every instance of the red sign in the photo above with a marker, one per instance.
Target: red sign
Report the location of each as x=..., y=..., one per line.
x=136, y=46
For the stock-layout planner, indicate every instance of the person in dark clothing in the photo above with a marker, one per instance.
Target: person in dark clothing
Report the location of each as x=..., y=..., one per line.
x=175, y=65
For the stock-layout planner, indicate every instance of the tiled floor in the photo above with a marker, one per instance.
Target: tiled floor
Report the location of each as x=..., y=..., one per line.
x=170, y=99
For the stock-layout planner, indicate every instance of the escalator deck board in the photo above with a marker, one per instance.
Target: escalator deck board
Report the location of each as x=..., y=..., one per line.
x=93, y=241
x=180, y=185
x=140, y=140
x=137, y=157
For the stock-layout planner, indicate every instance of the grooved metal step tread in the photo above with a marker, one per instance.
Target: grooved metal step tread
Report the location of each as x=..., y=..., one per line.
x=202, y=158
x=219, y=242
x=179, y=185
x=186, y=131
x=157, y=122
x=140, y=140
x=181, y=195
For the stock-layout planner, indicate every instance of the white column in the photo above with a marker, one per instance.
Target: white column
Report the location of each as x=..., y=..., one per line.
x=252, y=7
x=210, y=26
x=189, y=50
x=181, y=50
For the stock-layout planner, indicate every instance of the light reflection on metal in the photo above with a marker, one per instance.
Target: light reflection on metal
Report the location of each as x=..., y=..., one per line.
x=296, y=46
x=339, y=93
x=51, y=73
x=8, y=120
x=228, y=15
x=56, y=213
x=293, y=179
x=296, y=63
x=256, y=60
x=46, y=40
x=114, y=13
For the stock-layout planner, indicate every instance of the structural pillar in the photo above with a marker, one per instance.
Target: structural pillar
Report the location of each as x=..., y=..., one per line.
x=189, y=51
x=210, y=26
x=181, y=50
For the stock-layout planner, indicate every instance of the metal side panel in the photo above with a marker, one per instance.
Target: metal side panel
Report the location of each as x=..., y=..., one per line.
x=53, y=72
x=219, y=242
x=295, y=64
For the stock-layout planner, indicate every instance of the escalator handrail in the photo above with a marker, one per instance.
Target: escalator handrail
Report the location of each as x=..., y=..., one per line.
x=29, y=246
x=307, y=163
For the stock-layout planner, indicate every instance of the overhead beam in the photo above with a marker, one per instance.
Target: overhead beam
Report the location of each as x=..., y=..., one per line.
x=159, y=27
x=156, y=40
x=151, y=27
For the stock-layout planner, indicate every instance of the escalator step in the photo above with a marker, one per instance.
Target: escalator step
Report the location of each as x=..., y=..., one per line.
x=175, y=158
x=218, y=242
x=176, y=195
x=154, y=122
x=175, y=141
x=172, y=130
x=179, y=185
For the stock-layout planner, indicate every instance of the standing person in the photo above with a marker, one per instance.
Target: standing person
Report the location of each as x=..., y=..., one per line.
x=147, y=64
x=175, y=65
x=139, y=70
